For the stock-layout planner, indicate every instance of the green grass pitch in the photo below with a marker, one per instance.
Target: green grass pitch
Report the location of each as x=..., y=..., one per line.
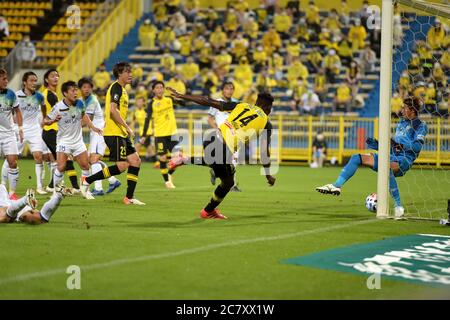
x=165, y=251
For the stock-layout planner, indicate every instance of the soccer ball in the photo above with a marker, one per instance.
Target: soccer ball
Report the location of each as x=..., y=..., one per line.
x=371, y=202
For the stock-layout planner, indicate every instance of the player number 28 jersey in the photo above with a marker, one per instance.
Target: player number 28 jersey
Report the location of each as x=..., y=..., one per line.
x=31, y=108
x=70, y=126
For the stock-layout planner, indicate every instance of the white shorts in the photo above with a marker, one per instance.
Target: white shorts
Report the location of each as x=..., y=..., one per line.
x=74, y=149
x=4, y=197
x=8, y=146
x=35, y=142
x=97, y=144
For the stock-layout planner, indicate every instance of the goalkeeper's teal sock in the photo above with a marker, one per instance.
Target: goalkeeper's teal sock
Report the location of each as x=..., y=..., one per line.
x=349, y=170
x=393, y=189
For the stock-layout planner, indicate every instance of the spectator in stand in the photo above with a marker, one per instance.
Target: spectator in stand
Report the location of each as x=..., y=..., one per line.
x=160, y=12
x=404, y=84
x=333, y=23
x=445, y=60
x=101, y=80
x=190, y=72
x=320, y=84
x=396, y=105
x=314, y=61
x=270, y=6
x=154, y=75
x=222, y=64
x=357, y=35
x=343, y=98
x=271, y=41
x=319, y=148
x=332, y=65
x=296, y=71
x=166, y=37
x=191, y=9
x=313, y=17
x=345, y=51
x=415, y=69
x=147, y=34
x=172, y=6
x=293, y=9
x=299, y=88
x=243, y=74
x=168, y=64
x=212, y=19
x=353, y=78
x=430, y=102
x=259, y=59
x=26, y=52
x=293, y=50
x=363, y=13
x=397, y=31
x=309, y=102
x=4, y=28
x=439, y=77
x=283, y=22
x=178, y=24
x=218, y=39
x=176, y=83
x=368, y=59
x=436, y=35
x=344, y=13
x=138, y=75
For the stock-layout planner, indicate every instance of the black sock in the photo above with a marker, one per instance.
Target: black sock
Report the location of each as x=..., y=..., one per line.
x=164, y=170
x=132, y=179
x=218, y=196
x=70, y=169
x=50, y=185
x=104, y=174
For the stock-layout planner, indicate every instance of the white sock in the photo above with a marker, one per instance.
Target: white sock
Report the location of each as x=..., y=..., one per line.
x=21, y=212
x=13, y=177
x=112, y=179
x=39, y=168
x=49, y=208
x=16, y=206
x=97, y=167
x=57, y=177
x=5, y=169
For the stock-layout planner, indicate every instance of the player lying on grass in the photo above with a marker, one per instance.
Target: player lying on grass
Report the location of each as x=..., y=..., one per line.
x=405, y=148
x=243, y=122
x=24, y=209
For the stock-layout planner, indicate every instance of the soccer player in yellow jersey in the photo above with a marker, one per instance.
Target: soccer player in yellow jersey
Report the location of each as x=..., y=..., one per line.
x=244, y=121
x=49, y=132
x=160, y=110
x=118, y=136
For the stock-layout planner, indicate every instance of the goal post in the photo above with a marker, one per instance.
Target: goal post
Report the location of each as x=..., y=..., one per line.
x=385, y=108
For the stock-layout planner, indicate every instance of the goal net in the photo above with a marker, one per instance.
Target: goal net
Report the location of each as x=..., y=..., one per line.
x=420, y=70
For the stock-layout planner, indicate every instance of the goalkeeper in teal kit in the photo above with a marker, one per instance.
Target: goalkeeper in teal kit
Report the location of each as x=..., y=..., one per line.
x=405, y=148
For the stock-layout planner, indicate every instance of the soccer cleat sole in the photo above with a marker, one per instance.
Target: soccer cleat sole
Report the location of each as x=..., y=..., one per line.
x=334, y=193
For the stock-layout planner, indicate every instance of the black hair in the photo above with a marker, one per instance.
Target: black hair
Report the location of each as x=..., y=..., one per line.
x=119, y=68
x=156, y=83
x=47, y=74
x=84, y=81
x=26, y=75
x=3, y=72
x=227, y=83
x=67, y=85
x=265, y=97
x=413, y=103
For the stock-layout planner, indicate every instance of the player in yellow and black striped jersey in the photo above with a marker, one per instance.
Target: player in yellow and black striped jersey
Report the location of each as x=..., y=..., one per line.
x=118, y=136
x=243, y=122
x=160, y=111
x=139, y=116
x=49, y=132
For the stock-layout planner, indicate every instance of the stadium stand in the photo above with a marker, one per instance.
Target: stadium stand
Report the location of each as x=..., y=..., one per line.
x=259, y=51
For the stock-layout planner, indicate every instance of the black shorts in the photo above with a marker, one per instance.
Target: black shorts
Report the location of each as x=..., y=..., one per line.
x=119, y=148
x=164, y=145
x=218, y=156
x=49, y=137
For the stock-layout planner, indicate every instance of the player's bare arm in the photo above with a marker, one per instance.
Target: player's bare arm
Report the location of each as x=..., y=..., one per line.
x=87, y=121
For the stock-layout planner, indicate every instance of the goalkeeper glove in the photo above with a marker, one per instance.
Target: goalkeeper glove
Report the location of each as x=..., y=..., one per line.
x=372, y=143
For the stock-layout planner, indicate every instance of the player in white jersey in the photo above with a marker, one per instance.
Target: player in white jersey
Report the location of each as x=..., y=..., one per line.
x=31, y=103
x=24, y=209
x=8, y=143
x=97, y=145
x=216, y=118
x=70, y=116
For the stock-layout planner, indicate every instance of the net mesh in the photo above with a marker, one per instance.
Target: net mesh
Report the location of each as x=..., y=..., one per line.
x=421, y=67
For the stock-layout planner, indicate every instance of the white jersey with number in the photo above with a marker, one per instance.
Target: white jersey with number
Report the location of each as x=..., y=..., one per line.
x=220, y=116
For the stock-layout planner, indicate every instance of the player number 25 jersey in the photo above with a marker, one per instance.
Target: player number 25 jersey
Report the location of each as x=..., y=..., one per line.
x=117, y=94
